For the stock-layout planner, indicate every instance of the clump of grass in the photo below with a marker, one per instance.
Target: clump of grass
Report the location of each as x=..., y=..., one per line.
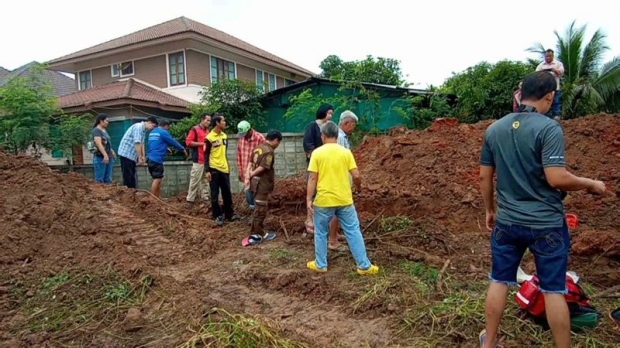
x=420, y=271
x=68, y=302
x=235, y=330
x=394, y=223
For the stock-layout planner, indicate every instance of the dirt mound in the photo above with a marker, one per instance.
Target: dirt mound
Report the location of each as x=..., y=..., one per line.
x=432, y=175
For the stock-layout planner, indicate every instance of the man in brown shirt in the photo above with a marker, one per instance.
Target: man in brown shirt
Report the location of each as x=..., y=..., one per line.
x=261, y=180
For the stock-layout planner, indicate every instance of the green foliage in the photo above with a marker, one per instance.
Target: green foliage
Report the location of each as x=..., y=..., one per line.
x=69, y=132
x=237, y=100
x=371, y=70
x=485, y=90
x=588, y=85
x=28, y=118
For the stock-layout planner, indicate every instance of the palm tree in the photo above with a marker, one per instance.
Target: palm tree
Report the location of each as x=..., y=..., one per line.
x=588, y=85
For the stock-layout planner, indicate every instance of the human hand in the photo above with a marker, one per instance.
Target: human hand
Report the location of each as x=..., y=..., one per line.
x=309, y=205
x=113, y=155
x=597, y=187
x=208, y=176
x=106, y=159
x=490, y=220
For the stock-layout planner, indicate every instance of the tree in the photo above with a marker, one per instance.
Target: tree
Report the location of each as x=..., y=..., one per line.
x=485, y=90
x=236, y=99
x=588, y=85
x=28, y=122
x=379, y=70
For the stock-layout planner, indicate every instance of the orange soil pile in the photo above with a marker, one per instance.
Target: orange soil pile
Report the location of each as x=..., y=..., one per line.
x=432, y=176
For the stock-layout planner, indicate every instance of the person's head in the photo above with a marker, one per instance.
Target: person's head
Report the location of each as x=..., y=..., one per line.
x=549, y=56
x=325, y=112
x=329, y=132
x=348, y=120
x=218, y=122
x=151, y=122
x=101, y=120
x=274, y=138
x=164, y=124
x=244, y=129
x=205, y=120
x=538, y=90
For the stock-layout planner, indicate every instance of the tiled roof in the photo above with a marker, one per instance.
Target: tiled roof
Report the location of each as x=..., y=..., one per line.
x=128, y=89
x=178, y=26
x=3, y=72
x=61, y=84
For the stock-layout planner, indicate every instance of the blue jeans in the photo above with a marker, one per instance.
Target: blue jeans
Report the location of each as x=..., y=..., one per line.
x=550, y=247
x=103, y=171
x=347, y=216
x=249, y=198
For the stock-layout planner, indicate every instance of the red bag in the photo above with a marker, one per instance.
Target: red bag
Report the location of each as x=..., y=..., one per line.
x=531, y=299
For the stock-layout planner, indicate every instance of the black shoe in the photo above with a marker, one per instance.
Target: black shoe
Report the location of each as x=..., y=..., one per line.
x=219, y=220
x=234, y=218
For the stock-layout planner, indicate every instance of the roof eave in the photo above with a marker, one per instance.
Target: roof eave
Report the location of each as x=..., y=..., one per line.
x=124, y=101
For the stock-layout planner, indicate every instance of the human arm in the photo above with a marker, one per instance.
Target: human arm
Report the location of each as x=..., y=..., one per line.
x=192, y=139
x=558, y=69
x=101, y=148
x=138, y=136
x=312, y=180
x=355, y=173
x=553, y=145
x=207, y=156
x=309, y=141
x=487, y=172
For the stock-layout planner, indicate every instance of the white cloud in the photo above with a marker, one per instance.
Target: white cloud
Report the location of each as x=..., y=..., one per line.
x=431, y=39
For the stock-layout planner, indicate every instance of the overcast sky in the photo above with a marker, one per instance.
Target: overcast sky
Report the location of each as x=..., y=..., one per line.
x=431, y=38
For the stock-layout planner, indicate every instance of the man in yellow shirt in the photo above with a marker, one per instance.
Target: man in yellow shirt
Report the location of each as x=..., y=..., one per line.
x=329, y=169
x=217, y=170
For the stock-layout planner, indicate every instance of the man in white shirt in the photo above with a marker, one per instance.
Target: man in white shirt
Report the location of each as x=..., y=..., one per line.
x=556, y=68
x=347, y=123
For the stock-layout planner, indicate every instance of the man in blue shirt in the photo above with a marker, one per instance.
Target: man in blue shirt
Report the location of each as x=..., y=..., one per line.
x=159, y=140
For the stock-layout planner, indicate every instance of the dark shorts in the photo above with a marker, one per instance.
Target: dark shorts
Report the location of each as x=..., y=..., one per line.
x=550, y=247
x=155, y=169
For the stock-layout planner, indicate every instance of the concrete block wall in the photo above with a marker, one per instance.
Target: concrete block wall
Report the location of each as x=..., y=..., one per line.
x=290, y=159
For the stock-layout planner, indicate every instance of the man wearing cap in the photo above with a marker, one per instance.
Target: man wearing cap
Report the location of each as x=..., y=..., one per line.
x=159, y=140
x=261, y=179
x=131, y=150
x=249, y=139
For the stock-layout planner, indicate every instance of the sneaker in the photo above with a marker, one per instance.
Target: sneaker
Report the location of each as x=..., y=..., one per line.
x=370, y=271
x=313, y=267
x=234, y=218
x=269, y=236
x=219, y=220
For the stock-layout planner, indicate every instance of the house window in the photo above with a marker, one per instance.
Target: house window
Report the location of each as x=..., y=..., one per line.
x=176, y=64
x=273, y=85
x=122, y=69
x=260, y=80
x=288, y=82
x=86, y=80
x=222, y=70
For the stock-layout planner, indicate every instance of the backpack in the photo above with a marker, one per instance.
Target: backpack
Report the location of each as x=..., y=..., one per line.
x=531, y=299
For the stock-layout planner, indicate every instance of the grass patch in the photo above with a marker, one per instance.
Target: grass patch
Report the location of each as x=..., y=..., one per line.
x=235, y=330
x=458, y=317
x=394, y=223
x=67, y=302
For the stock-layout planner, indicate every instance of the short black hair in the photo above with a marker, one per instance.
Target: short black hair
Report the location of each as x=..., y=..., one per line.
x=537, y=85
x=164, y=123
x=549, y=50
x=204, y=115
x=153, y=120
x=216, y=118
x=321, y=113
x=274, y=135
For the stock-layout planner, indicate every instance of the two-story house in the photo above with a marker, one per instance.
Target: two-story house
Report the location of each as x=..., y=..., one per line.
x=161, y=69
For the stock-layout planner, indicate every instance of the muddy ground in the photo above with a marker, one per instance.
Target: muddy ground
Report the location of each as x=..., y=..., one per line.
x=93, y=266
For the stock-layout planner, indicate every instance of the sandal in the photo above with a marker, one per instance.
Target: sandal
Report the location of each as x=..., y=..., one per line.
x=340, y=247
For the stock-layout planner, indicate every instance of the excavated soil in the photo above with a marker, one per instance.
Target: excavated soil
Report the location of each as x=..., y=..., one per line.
x=419, y=186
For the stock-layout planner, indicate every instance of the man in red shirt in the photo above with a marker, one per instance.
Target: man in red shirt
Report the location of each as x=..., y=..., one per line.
x=249, y=139
x=196, y=141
